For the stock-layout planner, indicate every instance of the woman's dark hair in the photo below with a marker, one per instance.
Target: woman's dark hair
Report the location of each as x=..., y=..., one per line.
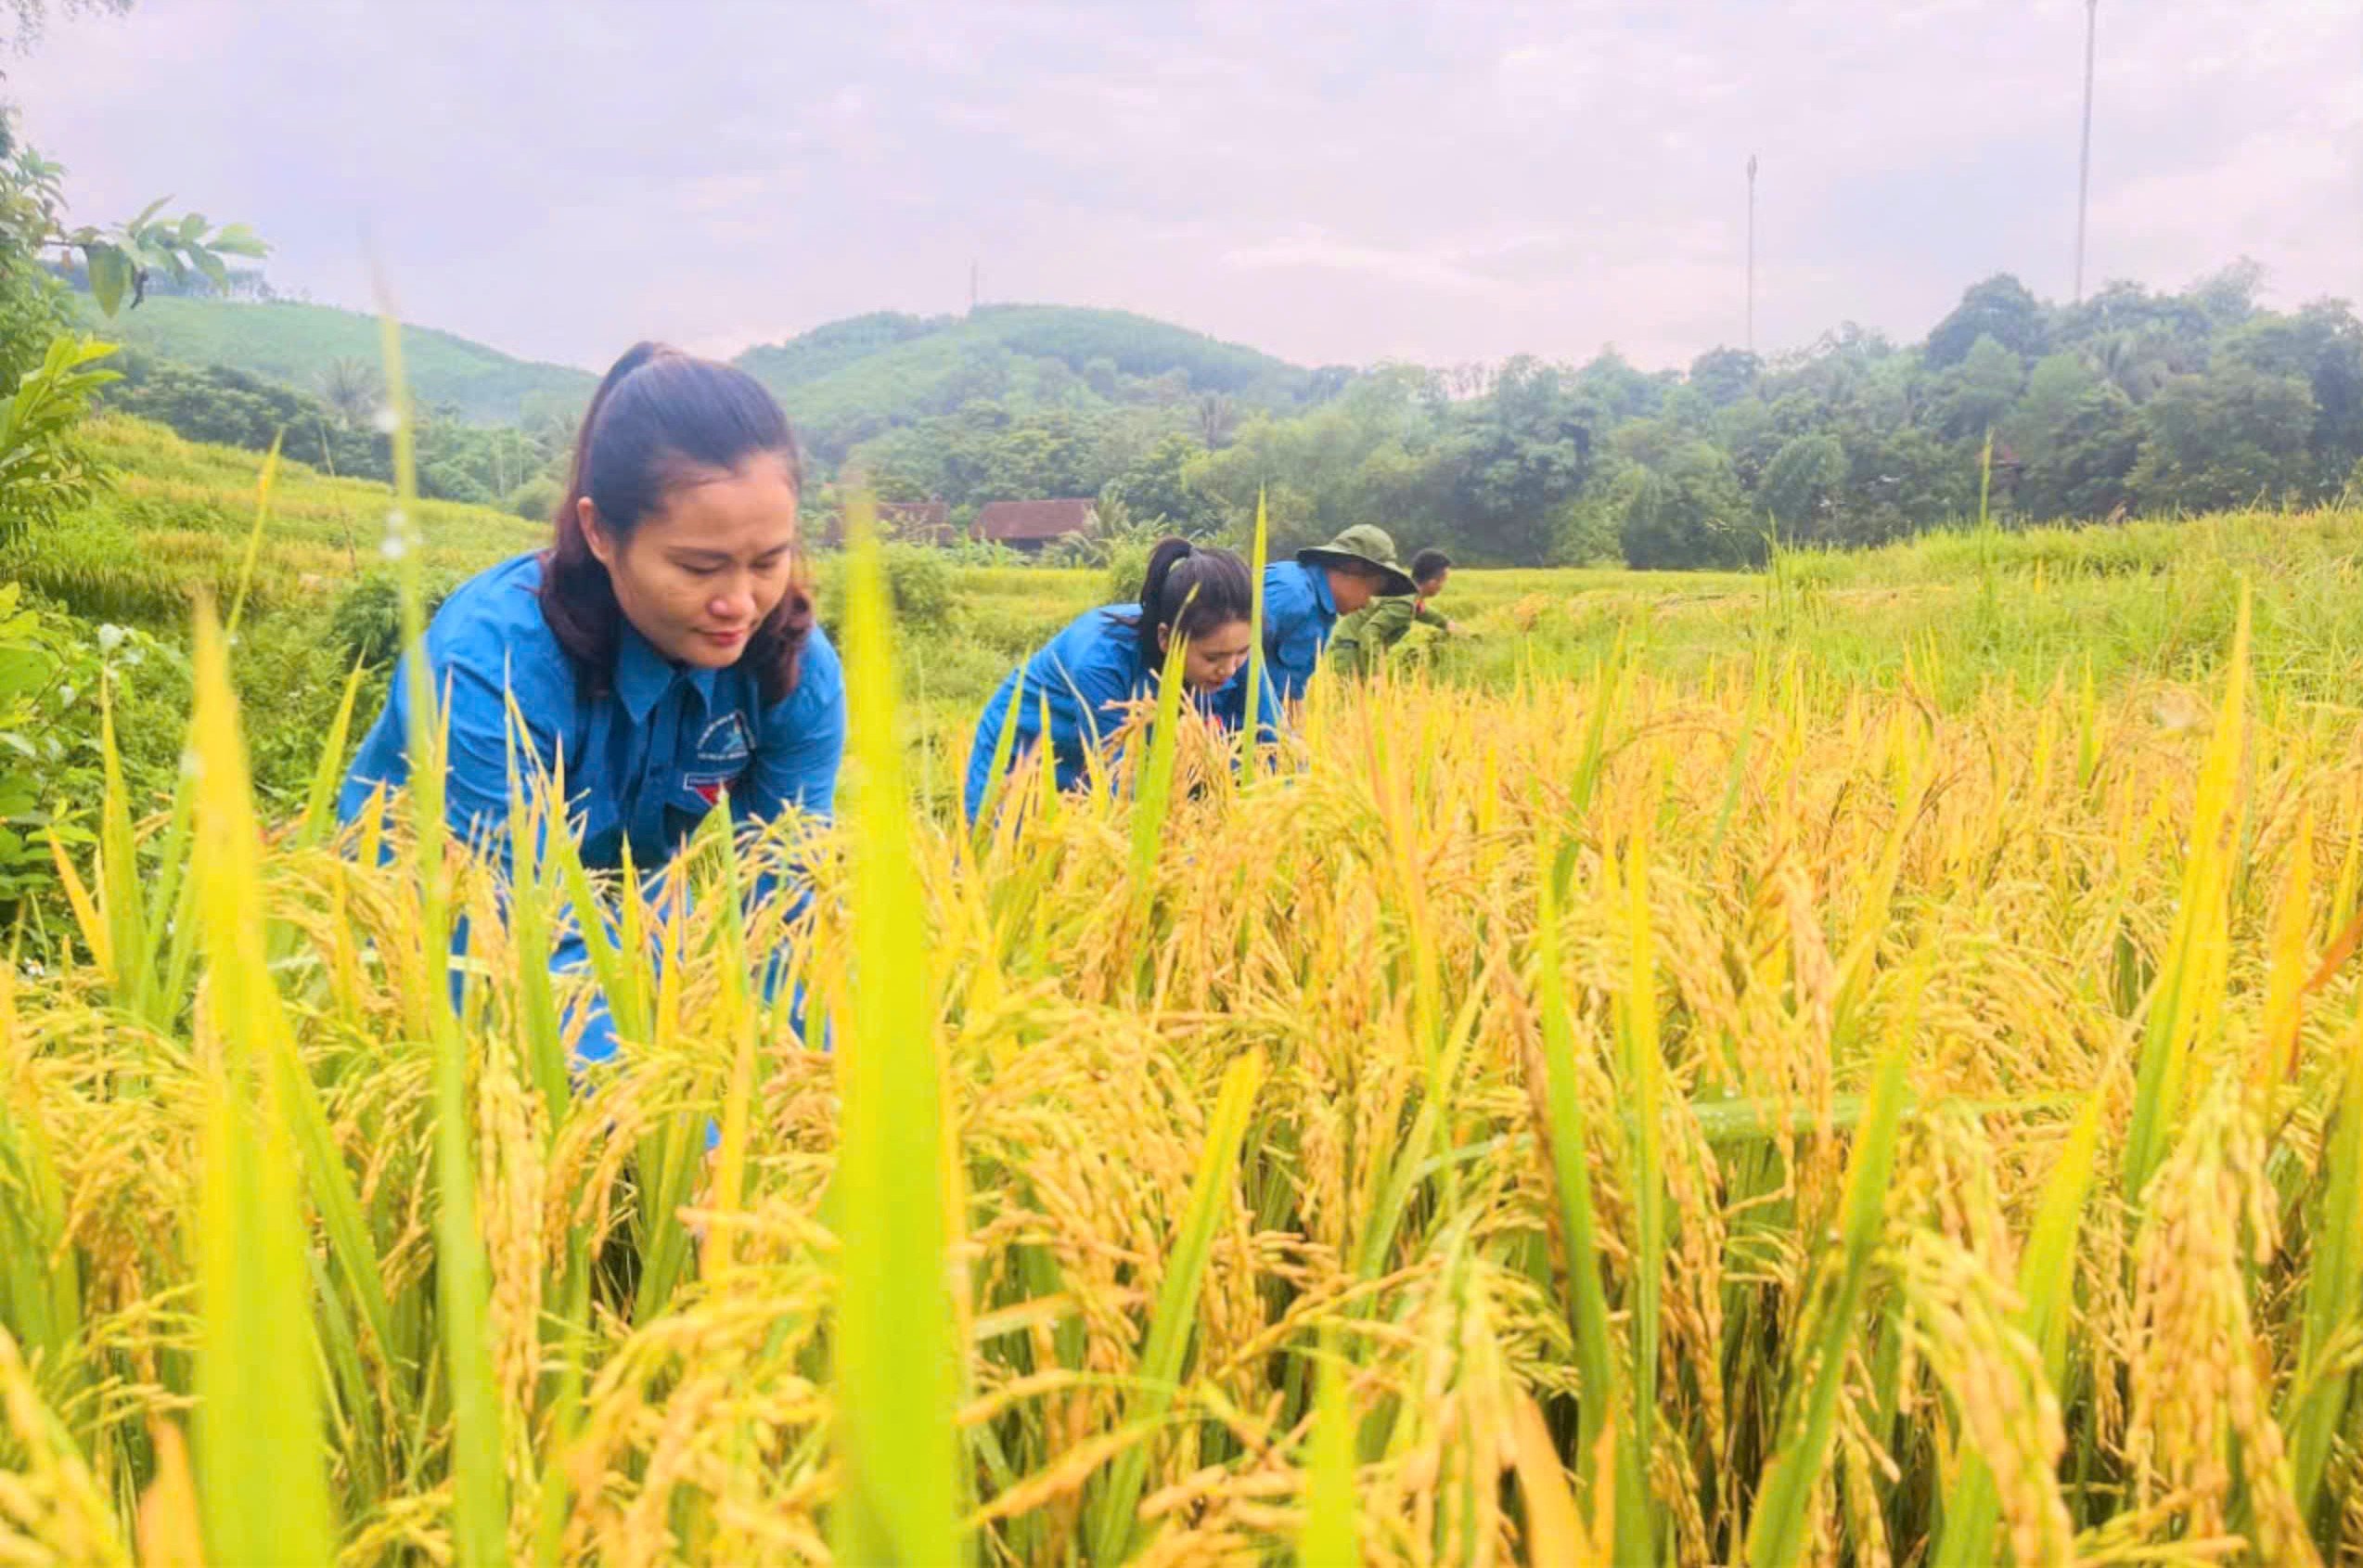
x=657, y=418
x=1191, y=589
x=1427, y=564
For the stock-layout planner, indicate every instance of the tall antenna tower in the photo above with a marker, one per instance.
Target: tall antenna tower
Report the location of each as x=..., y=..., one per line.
x=2083, y=158
x=1752, y=253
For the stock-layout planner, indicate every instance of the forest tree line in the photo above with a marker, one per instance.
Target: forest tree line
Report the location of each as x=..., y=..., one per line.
x=2129, y=403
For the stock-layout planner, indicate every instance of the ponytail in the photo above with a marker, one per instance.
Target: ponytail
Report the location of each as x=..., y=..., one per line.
x=569, y=511
x=1168, y=553
x=1188, y=591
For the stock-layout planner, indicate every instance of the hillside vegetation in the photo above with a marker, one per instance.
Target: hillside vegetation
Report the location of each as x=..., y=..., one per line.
x=298, y=345
x=2128, y=402
x=851, y=379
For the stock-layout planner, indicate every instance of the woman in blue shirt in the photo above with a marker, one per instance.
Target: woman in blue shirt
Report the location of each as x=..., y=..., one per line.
x=1108, y=658
x=1303, y=598
x=662, y=648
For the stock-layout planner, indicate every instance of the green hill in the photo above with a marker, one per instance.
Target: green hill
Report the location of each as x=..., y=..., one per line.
x=841, y=382
x=282, y=341
x=851, y=379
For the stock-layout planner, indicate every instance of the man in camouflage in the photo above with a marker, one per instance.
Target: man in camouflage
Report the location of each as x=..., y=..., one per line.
x=1363, y=638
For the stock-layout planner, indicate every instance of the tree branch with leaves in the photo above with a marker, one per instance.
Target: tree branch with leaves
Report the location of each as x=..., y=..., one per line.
x=122, y=257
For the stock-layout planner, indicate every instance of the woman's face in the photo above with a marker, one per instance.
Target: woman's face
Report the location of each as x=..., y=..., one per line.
x=703, y=570
x=1214, y=656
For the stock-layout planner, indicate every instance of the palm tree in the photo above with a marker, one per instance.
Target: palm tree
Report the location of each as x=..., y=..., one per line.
x=2135, y=363
x=353, y=388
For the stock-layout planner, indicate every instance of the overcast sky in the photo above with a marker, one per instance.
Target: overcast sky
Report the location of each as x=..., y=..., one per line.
x=1332, y=183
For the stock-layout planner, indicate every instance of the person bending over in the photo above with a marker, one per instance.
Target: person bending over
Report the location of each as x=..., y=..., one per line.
x=1107, y=659
x=662, y=647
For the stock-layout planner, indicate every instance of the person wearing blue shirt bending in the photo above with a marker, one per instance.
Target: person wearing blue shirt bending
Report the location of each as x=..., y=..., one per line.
x=1090, y=674
x=1303, y=597
x=662, y=648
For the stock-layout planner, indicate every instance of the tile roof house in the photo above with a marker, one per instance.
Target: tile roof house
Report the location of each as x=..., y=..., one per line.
x=1035, y=525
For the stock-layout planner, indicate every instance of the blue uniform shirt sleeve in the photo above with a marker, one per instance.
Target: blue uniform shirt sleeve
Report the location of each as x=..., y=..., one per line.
x=1296, y=626
x=1295, y=661
x=1089, y=687
x=1268, y=711
x=803, y=743
x=1013, y=706
x=475, y=662
x=1084, y=677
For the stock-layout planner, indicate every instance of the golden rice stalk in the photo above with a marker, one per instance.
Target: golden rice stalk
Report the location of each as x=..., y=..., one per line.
x=1332, y=1525
x=51, y=1507
x=2333, y=1295
x=1113, y=1523
x=479, y=1464
x=1605, y=1393
x=1776, y=1532
x=2186, y=1002
x=2200, y=1425
x=1250, y=741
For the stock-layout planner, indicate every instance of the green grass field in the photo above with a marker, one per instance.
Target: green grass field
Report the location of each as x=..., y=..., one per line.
x=1951, y=615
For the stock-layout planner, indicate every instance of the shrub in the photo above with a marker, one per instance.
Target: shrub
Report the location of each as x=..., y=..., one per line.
x=450, y=480
x=536, y=499
x=1127, y=569
x=367, y=620
x=49, y=674
x=919, y=582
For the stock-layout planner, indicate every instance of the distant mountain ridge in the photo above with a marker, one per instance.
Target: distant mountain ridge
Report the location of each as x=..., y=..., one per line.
x=840, y=382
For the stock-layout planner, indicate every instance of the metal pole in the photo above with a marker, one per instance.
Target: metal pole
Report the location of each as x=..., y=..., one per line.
x=2083, y=158
x=1752, y=253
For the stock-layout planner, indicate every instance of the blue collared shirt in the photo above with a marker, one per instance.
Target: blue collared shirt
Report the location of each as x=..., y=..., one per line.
x=1089, y=674
x=644, y=761
x=1299, y=614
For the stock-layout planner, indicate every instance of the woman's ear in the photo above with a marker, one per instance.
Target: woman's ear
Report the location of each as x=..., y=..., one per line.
x=1165, y=638
x=586, y=512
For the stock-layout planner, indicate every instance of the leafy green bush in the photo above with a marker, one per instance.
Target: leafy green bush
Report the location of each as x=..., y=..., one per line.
x=535, y=500
x=290, y=670
x=988, y=552
x=919, y=582
x=365, y=621
x=41, y=471
x=1127, y=569
x=450, y=480
x=51, y=667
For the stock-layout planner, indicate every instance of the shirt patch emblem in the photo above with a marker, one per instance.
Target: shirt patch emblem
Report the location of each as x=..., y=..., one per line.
x=722, y=751
x=726, y=742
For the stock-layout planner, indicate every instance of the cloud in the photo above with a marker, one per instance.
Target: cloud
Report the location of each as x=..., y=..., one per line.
x=1336, y=183
x=1420, y=269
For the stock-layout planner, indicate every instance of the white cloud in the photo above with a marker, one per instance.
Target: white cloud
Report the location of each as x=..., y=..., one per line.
x=1427, y=270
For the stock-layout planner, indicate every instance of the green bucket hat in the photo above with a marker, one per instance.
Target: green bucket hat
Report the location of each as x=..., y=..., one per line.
x=1365, y=546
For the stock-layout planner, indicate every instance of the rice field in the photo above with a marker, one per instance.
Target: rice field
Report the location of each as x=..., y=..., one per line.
x=1862, y=1065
